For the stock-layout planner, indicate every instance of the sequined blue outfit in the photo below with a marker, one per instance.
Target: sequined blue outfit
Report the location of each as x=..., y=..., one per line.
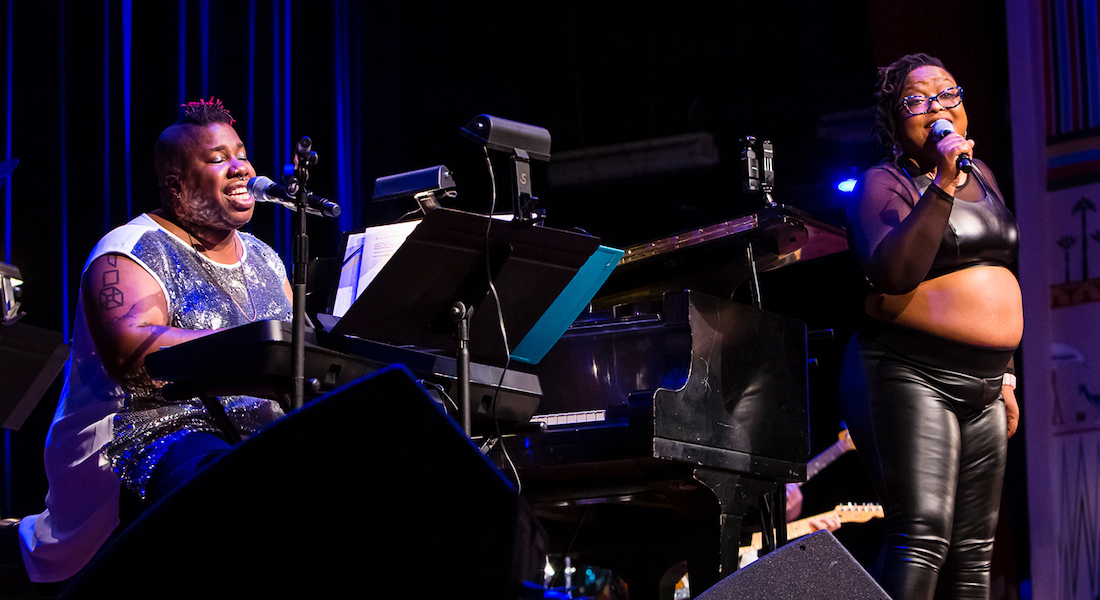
x=201, y=294
x=104, y=432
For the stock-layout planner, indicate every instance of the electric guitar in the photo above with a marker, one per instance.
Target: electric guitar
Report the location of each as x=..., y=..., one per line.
x=848, y=513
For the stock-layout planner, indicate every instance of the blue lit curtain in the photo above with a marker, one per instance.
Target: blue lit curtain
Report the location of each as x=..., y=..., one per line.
x=380, y=88
x=88, y=85
x=383, y=87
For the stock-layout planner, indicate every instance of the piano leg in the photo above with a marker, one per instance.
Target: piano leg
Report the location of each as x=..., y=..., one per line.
x=736, y=495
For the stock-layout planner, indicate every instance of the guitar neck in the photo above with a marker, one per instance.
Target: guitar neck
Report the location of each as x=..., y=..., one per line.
x=799, y=528
x=825, y=458
x=850, y=513
x=830, y=454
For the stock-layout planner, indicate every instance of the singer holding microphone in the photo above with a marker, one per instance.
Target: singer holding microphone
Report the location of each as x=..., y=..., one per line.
x=928, y=383
x=172, y=275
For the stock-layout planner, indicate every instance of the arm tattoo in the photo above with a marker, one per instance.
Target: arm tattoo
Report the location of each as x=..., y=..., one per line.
x=110, y=296
x=130, y=315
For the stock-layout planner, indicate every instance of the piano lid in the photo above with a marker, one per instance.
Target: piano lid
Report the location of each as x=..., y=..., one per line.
x=714, y=259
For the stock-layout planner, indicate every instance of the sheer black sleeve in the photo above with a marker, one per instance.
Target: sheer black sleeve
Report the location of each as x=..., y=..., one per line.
x=895, y=235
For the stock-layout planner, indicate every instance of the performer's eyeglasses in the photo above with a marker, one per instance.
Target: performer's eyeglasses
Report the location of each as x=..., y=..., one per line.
x=919, y=105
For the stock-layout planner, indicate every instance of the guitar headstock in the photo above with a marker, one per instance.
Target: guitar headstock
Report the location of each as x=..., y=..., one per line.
x=859, y=513
x=846, y=441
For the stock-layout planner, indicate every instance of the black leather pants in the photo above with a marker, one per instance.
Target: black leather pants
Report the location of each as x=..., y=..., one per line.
x=928, y=420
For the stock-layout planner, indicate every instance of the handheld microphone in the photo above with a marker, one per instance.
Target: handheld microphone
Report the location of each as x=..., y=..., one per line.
x=263, y=189
x=941, y=129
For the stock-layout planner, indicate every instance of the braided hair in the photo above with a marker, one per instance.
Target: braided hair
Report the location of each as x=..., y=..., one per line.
x=888, y=88
x=204, y=112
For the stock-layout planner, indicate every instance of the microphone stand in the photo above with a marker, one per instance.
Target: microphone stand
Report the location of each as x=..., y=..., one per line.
x=296, y=185
x=461, y=315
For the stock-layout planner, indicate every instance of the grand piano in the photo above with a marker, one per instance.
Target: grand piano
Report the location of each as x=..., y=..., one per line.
x=670, y=412
x=662, y=418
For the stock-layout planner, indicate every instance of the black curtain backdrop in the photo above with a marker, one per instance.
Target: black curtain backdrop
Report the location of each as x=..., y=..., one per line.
x=383, y=87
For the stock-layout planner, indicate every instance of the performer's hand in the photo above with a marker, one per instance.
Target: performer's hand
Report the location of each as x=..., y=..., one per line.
x=949, y=149
x=794, y=501
x=829, y=520
x=1012, y=408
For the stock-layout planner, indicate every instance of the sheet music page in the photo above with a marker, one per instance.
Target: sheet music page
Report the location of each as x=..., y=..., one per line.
x=364, y=256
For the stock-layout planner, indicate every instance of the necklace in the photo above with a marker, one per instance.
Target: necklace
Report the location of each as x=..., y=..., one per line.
x=217, y=275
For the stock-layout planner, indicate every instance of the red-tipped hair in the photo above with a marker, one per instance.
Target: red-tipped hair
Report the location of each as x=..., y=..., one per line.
x=204, y=112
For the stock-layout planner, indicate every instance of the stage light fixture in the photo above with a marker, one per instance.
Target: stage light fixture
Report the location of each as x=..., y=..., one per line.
x=523, y=142
x=504, y=135
x=422, y=184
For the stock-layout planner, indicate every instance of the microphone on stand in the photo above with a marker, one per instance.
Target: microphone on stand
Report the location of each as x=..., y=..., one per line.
x=263, y=189
x=941, y=129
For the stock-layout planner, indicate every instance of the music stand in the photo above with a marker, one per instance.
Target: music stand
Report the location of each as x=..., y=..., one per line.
x=32, y=358
x=433, y=292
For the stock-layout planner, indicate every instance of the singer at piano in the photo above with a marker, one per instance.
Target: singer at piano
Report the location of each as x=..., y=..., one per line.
x=927, y=383
x=168, y=276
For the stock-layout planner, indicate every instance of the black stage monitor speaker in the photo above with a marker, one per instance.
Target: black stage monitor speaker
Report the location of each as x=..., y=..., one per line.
x=370, y=492
x=815, y=566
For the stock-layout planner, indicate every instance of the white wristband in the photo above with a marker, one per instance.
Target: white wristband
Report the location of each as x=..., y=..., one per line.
x=1009, y=379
